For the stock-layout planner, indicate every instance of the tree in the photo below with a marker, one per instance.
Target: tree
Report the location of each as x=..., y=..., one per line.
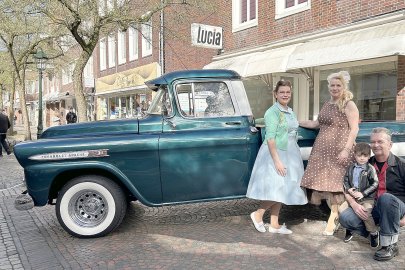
x=87, y=21
x=22, y=30
x=7, y=85
x=14, y=35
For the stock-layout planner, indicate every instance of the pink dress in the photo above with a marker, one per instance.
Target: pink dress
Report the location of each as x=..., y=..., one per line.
x=324, y=175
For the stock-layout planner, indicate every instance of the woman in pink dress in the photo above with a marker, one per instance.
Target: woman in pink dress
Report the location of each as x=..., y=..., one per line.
x=332, y=152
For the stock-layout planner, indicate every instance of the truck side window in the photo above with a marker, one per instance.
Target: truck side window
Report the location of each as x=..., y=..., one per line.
x=204, y=99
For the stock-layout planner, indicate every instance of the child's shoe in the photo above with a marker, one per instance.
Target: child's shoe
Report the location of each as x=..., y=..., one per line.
x=348, y=236
x=374, y=239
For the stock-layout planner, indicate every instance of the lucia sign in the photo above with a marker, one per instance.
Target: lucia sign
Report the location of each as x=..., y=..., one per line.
x=206, y=36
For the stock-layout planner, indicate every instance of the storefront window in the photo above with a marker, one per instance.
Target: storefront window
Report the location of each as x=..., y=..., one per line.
x=102, y=109
x=128, y=106
x=260, y=96
x=374, y=88
x=113, y=111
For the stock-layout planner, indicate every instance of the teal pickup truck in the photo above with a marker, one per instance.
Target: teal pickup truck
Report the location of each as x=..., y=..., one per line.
x=197, y=142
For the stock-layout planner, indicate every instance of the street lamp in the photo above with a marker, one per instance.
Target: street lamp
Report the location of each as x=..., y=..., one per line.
x=40, y=59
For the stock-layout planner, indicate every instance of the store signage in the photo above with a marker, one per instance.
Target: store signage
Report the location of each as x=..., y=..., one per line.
x=206, y=36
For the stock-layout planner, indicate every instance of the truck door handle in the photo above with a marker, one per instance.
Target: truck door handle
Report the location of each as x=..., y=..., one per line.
x=236, y=123
x=253, y=130
x=172, y=125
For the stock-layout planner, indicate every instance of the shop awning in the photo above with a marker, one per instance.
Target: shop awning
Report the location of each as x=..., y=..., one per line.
x=271, y=61
x=373, y=42
x=237, y=63
x=256, y=63
x=143, y=89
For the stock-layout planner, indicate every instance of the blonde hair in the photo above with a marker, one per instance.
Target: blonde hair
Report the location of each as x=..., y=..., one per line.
x=346, y=96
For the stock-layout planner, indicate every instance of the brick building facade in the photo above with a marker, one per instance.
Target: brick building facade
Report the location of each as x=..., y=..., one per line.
x=119, y=89
x=305, y=40
x=299, y=40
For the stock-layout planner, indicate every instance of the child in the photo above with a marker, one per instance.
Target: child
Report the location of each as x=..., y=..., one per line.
x=361, y=183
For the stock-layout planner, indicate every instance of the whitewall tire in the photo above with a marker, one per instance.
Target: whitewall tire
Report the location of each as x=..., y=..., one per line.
x=90, y=206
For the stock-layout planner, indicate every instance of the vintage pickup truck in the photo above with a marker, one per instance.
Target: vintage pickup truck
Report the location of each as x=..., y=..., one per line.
x=197, y=142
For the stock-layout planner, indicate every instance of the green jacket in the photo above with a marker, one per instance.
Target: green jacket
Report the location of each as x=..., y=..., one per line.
x=277, y=125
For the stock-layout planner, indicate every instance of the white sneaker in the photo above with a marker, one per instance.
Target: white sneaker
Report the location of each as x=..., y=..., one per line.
x=258, y=225
x=283, y=230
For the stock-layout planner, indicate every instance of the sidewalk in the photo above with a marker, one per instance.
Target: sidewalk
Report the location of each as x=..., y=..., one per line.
x=19, y=133
x=212, y=235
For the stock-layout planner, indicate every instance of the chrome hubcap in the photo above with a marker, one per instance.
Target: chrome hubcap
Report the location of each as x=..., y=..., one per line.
x=88, y=208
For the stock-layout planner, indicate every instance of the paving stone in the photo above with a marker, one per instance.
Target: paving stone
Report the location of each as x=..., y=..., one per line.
x=212, y=235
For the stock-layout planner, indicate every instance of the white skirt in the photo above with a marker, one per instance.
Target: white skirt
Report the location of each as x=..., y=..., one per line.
x=267, y=185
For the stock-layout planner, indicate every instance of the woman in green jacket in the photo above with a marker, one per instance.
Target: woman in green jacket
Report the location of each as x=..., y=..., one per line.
x=278, y=168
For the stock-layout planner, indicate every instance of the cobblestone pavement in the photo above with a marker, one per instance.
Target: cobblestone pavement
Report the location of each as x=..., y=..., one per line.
x=214, y=235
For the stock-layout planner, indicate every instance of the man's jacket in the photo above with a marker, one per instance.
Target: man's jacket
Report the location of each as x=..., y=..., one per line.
x=394, y=176
x=4, y=123
x=71, y=117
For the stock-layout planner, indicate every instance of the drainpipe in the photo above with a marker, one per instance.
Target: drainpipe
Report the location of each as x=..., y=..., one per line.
x=162, y=43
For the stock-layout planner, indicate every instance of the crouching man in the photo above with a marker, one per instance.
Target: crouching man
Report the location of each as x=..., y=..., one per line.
x=389, y=209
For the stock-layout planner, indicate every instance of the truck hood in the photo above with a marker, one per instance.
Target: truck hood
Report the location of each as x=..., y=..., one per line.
x=84, y=136
x=99, y=128
x=149, y=123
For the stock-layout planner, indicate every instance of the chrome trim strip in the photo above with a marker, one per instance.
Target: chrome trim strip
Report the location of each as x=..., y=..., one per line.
x=71, y=155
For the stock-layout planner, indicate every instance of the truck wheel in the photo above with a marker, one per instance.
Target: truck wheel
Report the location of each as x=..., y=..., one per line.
x=90, y=206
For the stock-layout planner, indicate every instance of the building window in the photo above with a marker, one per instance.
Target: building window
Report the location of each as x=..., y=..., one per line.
x=146, y=39
x=103, y=62
x=88, y=69
x=120, y=3
x=51, y=84
x=67, y=74
x=286, y=8
x=110, y=5
x=122, y=50
x=101, y=7
x=30, y=87
x=111, y=51
x=257, y=92
x=133, y=43
x=244, y=14
x=106, y=6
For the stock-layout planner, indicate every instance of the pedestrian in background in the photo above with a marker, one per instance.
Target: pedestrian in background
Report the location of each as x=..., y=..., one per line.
x=71, y=117
x=278, y=168
x=332, y=151
x=4, y=126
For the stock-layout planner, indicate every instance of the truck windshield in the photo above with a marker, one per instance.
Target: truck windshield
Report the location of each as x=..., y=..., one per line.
x=161, y=104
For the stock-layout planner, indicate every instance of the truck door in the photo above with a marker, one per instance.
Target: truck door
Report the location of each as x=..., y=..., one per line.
x=203, y=149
